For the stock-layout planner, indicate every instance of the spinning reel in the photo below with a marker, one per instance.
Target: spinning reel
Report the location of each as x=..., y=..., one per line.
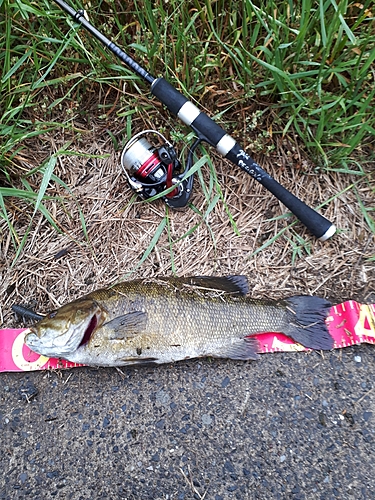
x=150, y=170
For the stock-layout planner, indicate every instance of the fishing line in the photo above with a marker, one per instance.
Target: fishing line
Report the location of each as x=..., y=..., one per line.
x=206, y=130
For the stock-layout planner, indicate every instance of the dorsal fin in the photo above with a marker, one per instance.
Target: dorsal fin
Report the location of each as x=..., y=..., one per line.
x=229, y=284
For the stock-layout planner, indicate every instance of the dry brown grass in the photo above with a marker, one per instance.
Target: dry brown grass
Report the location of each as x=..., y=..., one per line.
x=120, y=230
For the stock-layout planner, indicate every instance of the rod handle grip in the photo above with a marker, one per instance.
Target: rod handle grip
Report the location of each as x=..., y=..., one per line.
x=318, y=225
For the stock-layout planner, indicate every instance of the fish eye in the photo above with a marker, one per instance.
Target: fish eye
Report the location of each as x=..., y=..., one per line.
x=52, y=314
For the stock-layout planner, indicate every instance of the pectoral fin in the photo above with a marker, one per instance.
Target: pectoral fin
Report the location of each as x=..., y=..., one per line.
x=128, y=325
x=243, y=349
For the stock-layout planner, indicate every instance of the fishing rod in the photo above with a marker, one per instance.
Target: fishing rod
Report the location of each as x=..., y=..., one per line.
x=150, y=170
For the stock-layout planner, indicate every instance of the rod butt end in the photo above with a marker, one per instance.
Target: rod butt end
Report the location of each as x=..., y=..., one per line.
x=330, y=232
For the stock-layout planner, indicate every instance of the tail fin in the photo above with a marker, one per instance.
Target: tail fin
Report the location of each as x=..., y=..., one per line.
x=307, y=321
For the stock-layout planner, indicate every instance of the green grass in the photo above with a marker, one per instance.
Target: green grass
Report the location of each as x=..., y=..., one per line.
x=308, y=65
x=310, y=60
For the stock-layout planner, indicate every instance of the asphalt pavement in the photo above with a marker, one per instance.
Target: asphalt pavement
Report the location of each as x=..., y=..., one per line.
x=289, y=426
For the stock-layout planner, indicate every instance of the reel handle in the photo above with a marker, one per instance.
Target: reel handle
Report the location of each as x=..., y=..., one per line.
x=182, y=199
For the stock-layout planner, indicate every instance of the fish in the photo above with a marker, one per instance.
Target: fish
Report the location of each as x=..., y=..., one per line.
x=164, y=320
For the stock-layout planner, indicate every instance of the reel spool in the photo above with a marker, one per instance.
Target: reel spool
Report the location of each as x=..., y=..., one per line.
x=151, y=170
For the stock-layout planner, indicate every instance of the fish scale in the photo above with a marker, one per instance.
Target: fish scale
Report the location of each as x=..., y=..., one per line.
x=170, y=319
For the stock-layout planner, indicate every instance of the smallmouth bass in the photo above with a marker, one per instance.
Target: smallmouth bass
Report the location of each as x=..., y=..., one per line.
x=169, y=319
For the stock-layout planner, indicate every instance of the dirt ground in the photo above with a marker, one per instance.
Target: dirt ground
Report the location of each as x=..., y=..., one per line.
x=288, y=426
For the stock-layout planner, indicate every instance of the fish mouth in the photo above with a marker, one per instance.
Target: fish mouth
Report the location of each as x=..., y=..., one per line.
x=75, y=337
x=31, y=339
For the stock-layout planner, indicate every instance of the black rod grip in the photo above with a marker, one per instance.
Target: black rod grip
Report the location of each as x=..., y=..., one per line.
x=318, y=225
x=168, y=95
